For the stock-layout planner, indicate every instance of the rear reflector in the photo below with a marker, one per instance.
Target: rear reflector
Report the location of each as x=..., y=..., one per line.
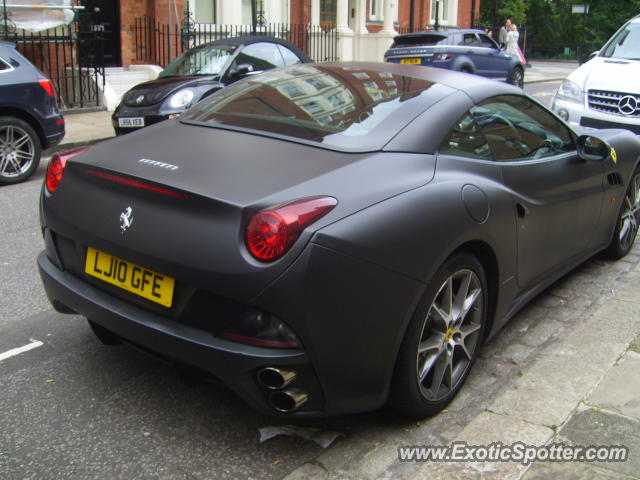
x=131, y=182
x=48, y=87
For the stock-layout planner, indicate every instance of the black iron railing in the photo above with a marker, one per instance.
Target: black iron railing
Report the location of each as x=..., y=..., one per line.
x=159, y=44
x=69, y=56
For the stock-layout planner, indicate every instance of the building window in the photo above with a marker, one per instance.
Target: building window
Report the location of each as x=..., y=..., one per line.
x=203, y=11
x=443, y=11
x=376, y=10
x=328, y=12
x=246, y=11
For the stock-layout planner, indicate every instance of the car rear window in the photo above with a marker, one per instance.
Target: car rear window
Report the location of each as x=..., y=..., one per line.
x=425, y=39
x=340, y=107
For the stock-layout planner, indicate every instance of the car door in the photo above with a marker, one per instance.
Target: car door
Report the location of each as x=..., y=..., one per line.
x=497, y=61
x=557, y=197
x=470, y=47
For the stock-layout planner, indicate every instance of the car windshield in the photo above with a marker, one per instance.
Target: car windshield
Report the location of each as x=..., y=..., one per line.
x=625, y=44
x=345, y=107
x=205, y=60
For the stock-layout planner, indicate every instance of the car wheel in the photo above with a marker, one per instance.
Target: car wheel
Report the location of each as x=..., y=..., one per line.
x=516, y=77
x=628, y=220
x=442, y=339
x=19, y=150
x=466, y=70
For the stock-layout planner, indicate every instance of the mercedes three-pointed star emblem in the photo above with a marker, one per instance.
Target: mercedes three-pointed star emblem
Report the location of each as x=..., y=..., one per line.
x=628, y=105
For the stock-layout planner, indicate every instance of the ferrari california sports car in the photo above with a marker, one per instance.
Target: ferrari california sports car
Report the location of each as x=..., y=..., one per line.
x=327, y=238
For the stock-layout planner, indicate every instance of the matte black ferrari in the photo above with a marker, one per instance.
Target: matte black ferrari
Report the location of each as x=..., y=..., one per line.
x=327, y=238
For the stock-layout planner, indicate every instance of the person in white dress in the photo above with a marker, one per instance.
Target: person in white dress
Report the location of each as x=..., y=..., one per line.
x=512, y=40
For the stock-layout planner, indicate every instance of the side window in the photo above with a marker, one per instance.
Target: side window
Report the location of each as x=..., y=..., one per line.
x=289, y=57
x=486, y=42
x=466, y=140
x=469, y=39
x=516, y=128
x=261, y=56
x=4, y=65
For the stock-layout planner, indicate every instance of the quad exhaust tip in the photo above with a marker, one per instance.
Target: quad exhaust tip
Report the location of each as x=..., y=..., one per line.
x=276, y=378
x=288, y=401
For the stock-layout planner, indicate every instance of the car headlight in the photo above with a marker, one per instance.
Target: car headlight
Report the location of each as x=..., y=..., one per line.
x=181, y=99
x=570, y=91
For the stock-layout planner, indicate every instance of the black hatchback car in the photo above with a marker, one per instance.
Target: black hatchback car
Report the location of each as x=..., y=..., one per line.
x=470, y=51
x=198, y=73
x=29, y=118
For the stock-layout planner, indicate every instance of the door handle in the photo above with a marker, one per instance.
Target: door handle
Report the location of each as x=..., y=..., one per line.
x=521, y=210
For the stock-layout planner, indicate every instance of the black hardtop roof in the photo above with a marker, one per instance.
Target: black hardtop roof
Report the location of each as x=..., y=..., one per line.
x=249, y=39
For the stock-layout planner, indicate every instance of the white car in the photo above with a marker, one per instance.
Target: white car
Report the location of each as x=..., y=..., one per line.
x=605, y=91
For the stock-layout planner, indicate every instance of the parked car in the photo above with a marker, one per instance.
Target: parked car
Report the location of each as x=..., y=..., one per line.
x=30, y=121
x=469, y=51
x=198, y=73
x=604, y=92
x=325, y=238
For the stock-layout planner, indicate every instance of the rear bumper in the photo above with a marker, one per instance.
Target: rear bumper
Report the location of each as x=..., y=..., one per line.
x=232, y=363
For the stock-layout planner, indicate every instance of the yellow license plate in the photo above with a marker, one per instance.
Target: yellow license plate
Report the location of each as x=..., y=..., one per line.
x=129, y=276
x=411, y=61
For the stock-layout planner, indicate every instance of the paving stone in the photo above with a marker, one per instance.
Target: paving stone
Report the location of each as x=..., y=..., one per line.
x=620, y=389
x=541, y=331
x=593, y=427
x=549, y=390
x=571, y=471
x=308, y=471
x=485, y=429
x=517, y=353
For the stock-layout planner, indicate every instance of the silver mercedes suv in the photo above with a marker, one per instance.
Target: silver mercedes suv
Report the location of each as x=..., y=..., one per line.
x=605, y=92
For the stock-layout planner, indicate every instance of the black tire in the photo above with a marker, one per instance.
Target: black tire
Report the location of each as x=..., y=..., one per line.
x=466, y=69
x=412, y=394
x=628, y=220
x=516, y=77
x=20, y=150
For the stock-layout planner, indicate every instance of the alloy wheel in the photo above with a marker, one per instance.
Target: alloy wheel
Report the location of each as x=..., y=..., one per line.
x=630, y=217
x=17, y=151
x=450, y=335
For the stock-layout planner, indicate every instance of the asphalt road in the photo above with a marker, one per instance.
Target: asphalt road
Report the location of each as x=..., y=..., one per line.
x=75, y=409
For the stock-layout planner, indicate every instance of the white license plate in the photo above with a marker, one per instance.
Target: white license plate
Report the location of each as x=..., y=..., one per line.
x=131, y=122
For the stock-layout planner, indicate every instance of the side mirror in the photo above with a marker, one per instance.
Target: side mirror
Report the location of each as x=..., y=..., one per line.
x=593, y=55
x=241, y=70
x=593, y=149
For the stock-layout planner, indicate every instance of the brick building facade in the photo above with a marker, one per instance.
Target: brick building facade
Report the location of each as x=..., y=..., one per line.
x=351, y=16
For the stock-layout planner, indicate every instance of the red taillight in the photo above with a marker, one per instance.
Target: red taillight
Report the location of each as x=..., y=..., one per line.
x=48, y=87
x=55, y=170
x=271, y=233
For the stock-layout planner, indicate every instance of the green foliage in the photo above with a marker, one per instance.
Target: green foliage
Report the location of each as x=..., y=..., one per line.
x=516, y=10
x=550, y=26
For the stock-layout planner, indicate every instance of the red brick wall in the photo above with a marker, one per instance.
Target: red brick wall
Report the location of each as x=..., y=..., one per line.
x=132, y=9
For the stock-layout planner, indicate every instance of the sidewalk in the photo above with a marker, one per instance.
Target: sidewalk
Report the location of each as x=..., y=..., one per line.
x=90, y=127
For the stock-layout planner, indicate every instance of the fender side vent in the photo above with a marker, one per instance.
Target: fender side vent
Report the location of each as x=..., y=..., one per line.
x=614, y=179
